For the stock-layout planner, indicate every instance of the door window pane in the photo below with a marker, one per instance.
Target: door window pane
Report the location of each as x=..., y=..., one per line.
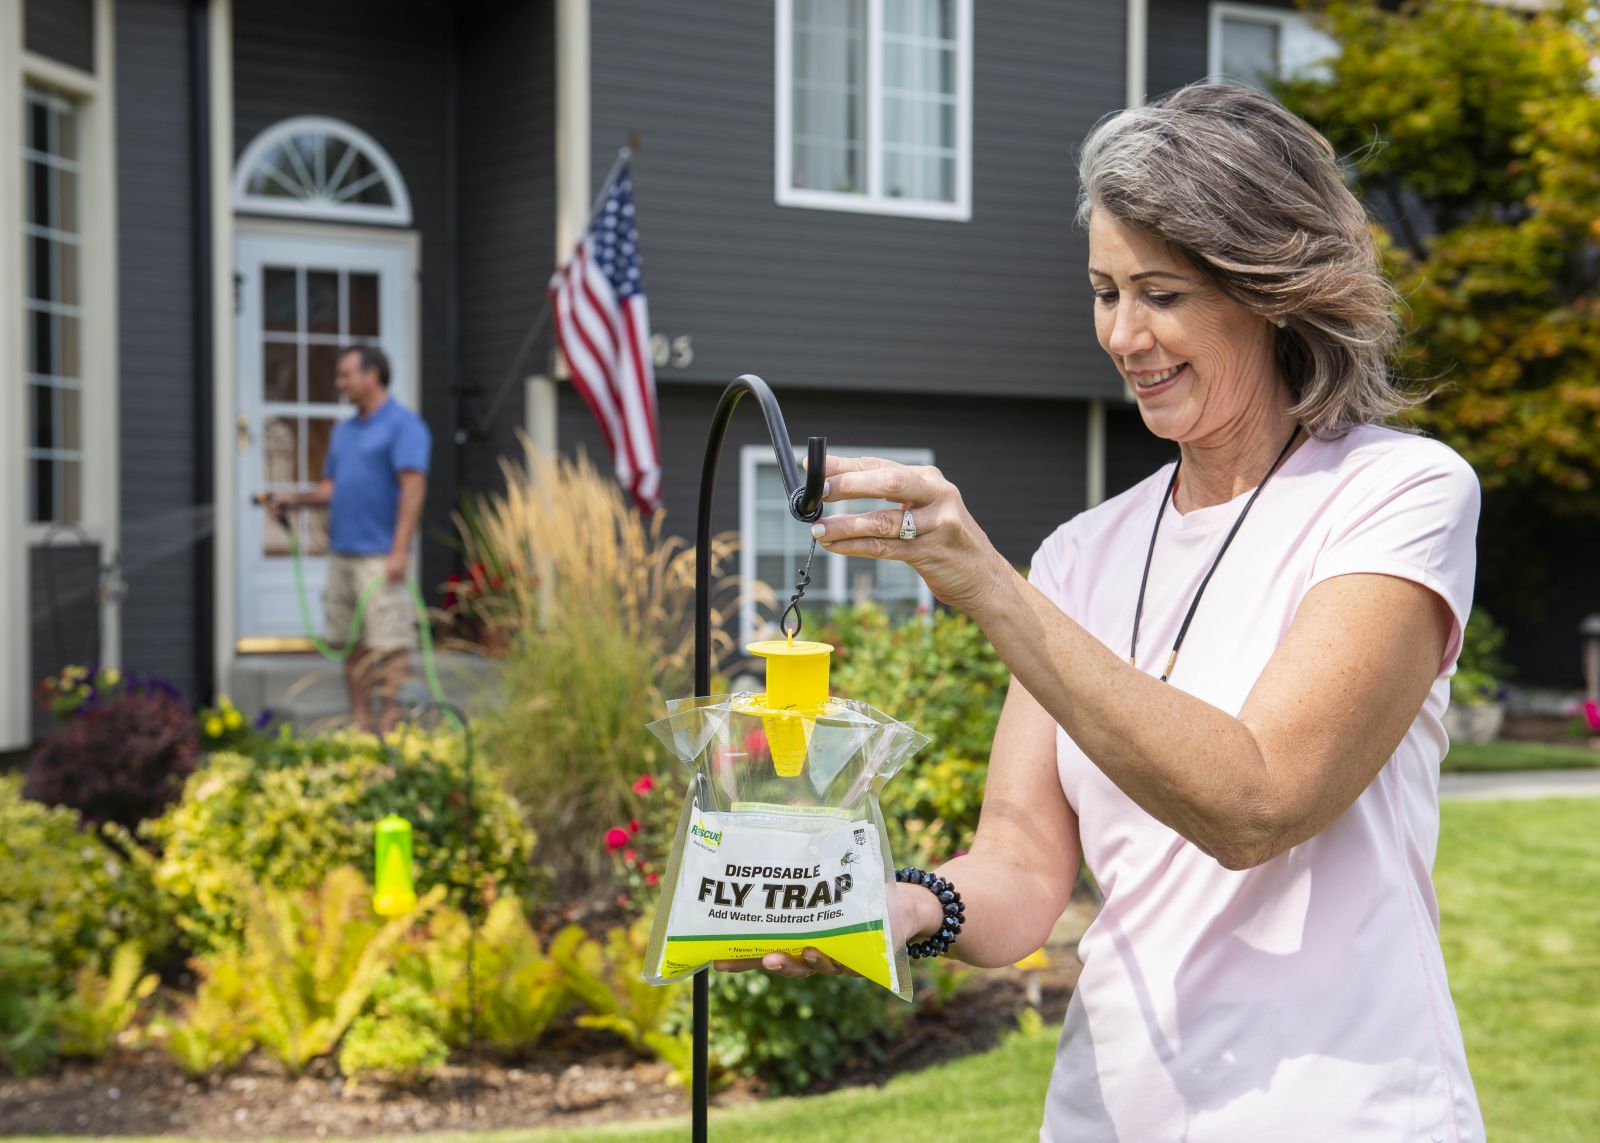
x=363, y=305
x=280, y=371
x=280, y=299
x=322, y=365
x=322, y=301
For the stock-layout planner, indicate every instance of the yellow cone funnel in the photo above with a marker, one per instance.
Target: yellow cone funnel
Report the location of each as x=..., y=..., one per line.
x=797, y=688
x=393, y=893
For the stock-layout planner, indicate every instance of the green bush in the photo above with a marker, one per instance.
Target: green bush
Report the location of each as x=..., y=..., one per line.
x=28, y=1006
x=214, y=1029
x=291, y=813
x=607, y=975
x=102, y=1005
x=939, y=672
x=795, y=1033
x=1480, y=671
x=70, y=894
x=398, y=1040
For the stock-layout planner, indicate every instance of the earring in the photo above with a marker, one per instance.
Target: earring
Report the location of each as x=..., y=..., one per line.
x=1281, y=322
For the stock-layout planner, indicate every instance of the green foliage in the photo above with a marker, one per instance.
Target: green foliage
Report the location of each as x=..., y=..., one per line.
x=312, y=960
x=28, y=1006
x=299, y=808
x=1480, y=672
x=794, y=1033
x=608, y=978
x=69, y=893
x=940, y=673
x=939, y=981
x=215, y=1028
x=398, y=1040
x=102, y=1005
x=1474, y=132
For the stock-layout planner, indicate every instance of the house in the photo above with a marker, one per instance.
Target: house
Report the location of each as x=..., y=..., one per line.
x=867, y=203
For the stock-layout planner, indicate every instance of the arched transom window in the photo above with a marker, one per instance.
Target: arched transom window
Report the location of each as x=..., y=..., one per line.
x=316, y=167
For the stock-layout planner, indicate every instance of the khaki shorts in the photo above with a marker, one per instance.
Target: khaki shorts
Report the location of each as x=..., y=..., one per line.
x=390, y=621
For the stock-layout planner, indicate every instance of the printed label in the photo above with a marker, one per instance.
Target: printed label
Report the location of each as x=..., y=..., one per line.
x=754, y=881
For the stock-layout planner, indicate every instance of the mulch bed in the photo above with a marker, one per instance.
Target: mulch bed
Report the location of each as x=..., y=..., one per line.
x=577, y=1077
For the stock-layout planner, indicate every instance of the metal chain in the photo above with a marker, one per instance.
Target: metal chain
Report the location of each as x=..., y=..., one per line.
x=802, y=581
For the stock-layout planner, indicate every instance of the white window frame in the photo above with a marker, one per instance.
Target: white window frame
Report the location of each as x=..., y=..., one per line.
x=321, y=209
x=754, y=457
x=1300, y=42
x=874, y=201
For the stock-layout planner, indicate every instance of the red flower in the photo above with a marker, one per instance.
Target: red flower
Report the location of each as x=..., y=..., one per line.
x=755, y=743
x=616, y=838
x=1591, y=714
x=630, y=855
x=652, y=880
x=644, y=785
x=633, y=825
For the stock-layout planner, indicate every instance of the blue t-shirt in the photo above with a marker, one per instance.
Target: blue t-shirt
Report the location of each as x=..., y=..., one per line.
x=365, y=459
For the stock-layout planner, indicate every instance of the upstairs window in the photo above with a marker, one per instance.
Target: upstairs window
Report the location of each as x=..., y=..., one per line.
x=53, y=308
x=874, y=106
x=1258, y=45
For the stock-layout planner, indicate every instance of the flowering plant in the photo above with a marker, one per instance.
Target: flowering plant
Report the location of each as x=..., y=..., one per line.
x=1586, y=722
x=78, y=688
x=223, y=727
x=639, y=847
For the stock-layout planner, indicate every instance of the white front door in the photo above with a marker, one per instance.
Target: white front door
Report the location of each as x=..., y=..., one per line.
x=301, y=299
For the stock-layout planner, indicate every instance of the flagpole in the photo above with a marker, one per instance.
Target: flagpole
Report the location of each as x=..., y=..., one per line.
x=480, y=428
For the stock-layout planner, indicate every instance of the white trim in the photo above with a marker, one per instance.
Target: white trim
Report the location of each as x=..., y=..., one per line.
x=754, y=456
x=15, y=617
x=873, y=201
x=321, y=209
x=1138, y=53
x=73, y=82
x=573, y=142
x=1301, y=44
x=219, y=96
x=1094, y=487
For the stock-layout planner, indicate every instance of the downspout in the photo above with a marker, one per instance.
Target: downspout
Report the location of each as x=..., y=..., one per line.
x=203, y=347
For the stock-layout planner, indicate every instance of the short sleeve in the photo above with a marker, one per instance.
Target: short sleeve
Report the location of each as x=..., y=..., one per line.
x=412, y=446
x=1415, y=518
x=1052, y=564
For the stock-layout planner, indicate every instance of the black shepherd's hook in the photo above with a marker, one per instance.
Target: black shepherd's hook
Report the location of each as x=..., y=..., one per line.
x=805, y=505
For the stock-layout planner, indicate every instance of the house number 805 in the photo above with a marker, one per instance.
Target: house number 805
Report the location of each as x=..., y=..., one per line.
x=674, y=353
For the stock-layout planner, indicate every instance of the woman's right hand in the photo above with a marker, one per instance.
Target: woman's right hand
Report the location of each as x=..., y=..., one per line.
x=914, y=913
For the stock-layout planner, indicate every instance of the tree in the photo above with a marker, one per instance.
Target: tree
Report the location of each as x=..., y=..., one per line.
x=1472, y=131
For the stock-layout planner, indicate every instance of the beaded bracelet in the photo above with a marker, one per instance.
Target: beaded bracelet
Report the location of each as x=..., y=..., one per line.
x=954, y=912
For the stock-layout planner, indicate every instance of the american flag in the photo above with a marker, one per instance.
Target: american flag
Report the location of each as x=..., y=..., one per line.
x=603, y=326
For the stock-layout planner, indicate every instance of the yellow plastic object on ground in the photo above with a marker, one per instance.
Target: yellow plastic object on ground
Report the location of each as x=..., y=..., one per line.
x=781, y=845
x=393, y=893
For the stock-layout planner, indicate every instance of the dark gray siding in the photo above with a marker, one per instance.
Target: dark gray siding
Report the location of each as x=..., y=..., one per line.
x=1133, y=452
x=1177, y=44
x=1019, y=462
x=505, y=209
x=383, y=66
x=155, y=266
x=833, y=300
x=63, y=30
x=65, y=613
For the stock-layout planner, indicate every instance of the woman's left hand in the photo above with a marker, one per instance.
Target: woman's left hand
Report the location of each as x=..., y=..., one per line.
x=950, y=551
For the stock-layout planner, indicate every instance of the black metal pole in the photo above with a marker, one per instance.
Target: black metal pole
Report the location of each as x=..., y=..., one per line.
x=805, y=504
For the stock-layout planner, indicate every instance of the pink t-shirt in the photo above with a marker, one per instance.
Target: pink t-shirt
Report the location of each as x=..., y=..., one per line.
x=1304, y=999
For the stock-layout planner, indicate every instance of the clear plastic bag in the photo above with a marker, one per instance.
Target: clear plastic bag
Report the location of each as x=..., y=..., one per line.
x=781, y=844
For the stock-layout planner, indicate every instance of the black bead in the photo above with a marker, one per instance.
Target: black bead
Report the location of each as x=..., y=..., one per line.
x=948, y=896
x=950, y=909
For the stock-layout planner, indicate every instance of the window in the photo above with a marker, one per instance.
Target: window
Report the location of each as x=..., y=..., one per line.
x=54, y=314
x=315, y=167
x=1257, y=45
x=773, y=546
x=874, y=105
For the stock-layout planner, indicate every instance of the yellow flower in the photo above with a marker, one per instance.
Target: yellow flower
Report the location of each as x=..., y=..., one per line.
x=75, y=673
x=213, y=727
x=110, y=677
x=232, y=718
x=225, y=703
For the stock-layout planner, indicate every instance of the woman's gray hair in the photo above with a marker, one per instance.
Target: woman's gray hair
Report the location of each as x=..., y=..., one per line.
x=1252, y=195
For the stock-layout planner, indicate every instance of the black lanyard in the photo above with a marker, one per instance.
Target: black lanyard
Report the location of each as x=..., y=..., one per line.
x=1194, y=604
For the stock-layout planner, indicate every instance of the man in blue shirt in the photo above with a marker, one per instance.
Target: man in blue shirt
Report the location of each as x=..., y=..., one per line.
x=374, y=481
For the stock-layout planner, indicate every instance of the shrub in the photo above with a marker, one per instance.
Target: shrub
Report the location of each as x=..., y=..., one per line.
x=939, y=672
x=794, y=1033
x=214, y=1029
x=608, y=977
x=297, y=809
x=102, y=1005
x=121, y=758
x=398, y=1040
x=1480, y=671
x=599, y=601
x=312, y=960
x=69, y=894
x=28, y=1006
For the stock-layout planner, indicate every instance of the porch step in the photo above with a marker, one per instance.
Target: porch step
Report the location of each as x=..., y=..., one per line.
x=307, y=690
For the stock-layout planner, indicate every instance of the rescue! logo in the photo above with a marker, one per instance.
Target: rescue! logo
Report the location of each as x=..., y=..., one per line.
x=711, y=839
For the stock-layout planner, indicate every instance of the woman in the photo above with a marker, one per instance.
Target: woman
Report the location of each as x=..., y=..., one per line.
x=1227, y=681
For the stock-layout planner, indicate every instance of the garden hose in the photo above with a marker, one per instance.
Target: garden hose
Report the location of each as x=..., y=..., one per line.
x=430, y=668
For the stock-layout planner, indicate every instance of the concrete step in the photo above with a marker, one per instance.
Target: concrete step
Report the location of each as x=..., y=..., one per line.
x=308, y=691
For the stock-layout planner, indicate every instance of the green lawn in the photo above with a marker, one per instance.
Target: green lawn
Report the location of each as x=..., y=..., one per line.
x=1468, y=756
x=1517, y=888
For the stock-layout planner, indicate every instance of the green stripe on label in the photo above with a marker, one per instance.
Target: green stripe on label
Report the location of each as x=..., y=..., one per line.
x=863, y=927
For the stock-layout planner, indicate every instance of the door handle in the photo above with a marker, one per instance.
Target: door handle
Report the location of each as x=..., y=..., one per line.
x=242, y=434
